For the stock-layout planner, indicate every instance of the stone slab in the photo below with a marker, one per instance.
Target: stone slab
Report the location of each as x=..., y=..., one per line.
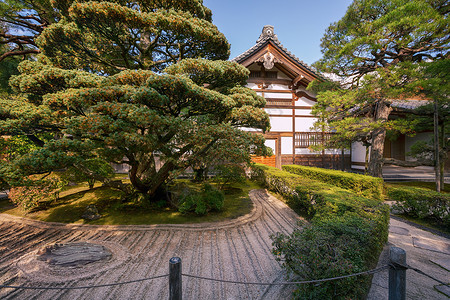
x=399, y=230
x=443, y=263
x=444, y=289
x=432, y=245
x=73, y=254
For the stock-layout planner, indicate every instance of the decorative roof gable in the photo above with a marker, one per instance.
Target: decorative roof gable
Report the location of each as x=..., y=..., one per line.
x=268, y=51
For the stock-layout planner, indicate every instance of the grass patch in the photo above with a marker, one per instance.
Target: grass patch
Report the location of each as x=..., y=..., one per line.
x=426, y=185
x=74, y=200
x=417, y=202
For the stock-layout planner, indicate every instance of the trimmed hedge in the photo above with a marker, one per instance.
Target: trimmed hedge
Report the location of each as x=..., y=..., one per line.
x=367, y=186
x=346, y=234
x=421, y=203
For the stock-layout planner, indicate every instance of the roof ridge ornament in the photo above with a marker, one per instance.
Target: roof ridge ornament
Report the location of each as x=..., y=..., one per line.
x=267, y=33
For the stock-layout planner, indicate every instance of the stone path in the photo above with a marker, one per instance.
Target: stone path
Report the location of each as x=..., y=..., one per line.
x=237, y=250
x=425, y=251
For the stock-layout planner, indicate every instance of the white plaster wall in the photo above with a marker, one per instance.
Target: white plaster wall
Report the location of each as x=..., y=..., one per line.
x=304, y=124
x=252, y=85
x=302, y=101
x=286, y=145
x=275, y=86
x=303, y=112
x=279, y=111
x=278, y=95
x=271, y=144
x=283, y=124
x=358, y=152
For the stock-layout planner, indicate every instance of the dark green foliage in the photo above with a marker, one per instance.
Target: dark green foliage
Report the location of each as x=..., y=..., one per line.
x=367, y=186
x=381, y=50
x=422, y=203
x=208, y=199
x=130, y=82
x=37, y=194
x=316, y=252
x=346, y=233
x=8, y=68
x=95, y=166
x=228, y=174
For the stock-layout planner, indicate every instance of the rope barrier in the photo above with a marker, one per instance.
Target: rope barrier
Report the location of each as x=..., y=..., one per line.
x=80, y=287
x=395, y=266
x=291, y=282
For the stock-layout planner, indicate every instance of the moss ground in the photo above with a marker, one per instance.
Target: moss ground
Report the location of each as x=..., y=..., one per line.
x=426, y=185
x=74, y=200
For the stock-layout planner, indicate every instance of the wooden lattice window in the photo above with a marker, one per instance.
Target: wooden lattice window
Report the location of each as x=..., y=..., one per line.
x=307, y=139
x=259, y=74
x=271, y=74
x=255, y=74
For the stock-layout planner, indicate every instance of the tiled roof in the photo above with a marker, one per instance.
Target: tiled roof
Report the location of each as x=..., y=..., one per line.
x=269, y=35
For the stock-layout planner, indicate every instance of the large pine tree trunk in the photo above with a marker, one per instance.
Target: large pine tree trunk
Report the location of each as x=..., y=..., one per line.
x=436, y=147
x=382, y=112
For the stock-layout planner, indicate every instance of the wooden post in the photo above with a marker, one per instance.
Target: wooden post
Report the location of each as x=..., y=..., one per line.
x=175, y=284
x=397, y=274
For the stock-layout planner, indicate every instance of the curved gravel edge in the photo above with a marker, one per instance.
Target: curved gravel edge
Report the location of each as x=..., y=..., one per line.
x=254, y=214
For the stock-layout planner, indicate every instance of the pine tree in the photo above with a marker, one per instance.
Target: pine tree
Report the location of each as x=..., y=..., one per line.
x=140, y=83
x=377, y=48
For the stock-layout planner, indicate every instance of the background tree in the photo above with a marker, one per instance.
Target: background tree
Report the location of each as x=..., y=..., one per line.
x=374, y=48
x=21, y=22
x=433, y=80
x=97, y=92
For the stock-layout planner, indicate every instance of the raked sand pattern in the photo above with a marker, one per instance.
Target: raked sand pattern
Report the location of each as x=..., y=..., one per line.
x=237, y=250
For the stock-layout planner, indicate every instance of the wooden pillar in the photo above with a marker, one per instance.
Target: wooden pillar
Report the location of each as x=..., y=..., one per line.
x=278, y=152
x=294, y=98
x=397, y=274
x=175, y=283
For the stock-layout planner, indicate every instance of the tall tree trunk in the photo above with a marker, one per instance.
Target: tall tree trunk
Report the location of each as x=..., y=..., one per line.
x=444, y=154
x=366, y=160
x=382, y=112
x=436, y=147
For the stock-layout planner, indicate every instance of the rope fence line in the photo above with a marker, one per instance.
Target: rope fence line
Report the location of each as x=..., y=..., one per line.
x=397, y=266
x=292, y=282
x=81, y=287
x=198, y=277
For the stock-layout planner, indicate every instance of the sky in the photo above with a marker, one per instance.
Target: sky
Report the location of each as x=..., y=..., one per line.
x=299, y=24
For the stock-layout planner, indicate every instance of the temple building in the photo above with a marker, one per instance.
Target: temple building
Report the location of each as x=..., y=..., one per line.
x=281, y=78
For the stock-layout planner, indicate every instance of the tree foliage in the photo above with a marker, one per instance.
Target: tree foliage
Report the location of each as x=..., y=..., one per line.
x=377, y=49
x=21, y=22
x=123, y=81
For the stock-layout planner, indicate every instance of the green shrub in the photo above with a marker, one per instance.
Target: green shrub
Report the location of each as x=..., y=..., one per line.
x=208, y=199
x=228, y=174
x=367, y=186
x=96, y=166
x=421, y=203
x=346, y=233
x=315, y=252
x=37, y=194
